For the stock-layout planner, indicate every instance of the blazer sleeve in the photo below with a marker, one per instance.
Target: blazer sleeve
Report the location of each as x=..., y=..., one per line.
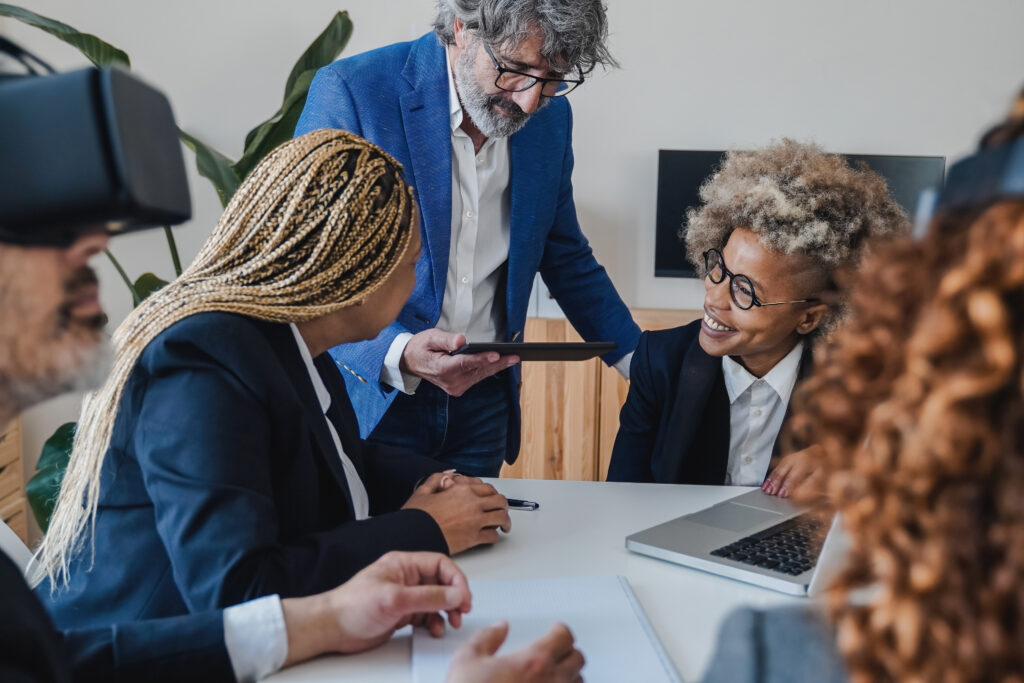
x=172, y=649
x=577, y=281
x=203, y=443
x=639, y=421
x=391, y=474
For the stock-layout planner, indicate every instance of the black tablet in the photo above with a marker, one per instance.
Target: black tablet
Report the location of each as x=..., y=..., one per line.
x=542, y=350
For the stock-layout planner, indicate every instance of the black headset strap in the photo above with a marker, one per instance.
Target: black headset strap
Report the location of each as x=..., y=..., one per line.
x=34, y=65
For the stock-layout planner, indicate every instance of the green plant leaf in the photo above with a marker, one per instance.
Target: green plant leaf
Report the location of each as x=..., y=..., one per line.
x=277, y=130
x=322, y=51
x=213, y=166
x=269, y=134
x=99, y=52
x=43, y=487
x=147, y=284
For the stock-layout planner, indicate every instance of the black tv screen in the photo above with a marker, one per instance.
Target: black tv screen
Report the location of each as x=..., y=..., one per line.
x=682, y=172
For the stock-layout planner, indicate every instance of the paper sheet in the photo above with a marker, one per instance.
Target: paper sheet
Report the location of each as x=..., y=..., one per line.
x=602, y=612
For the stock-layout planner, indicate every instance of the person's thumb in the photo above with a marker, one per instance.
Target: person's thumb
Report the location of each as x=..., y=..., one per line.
x=486, y=641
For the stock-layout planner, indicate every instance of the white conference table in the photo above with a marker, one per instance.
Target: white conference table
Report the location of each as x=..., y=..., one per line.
x=580, y=529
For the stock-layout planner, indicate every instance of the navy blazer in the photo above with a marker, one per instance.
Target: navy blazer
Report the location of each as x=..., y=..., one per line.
x=222, y=483
x=31, y=650
x=397, y=98
x=674, y=426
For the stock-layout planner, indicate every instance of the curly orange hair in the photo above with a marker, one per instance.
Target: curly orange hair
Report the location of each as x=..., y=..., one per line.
x=918, y=404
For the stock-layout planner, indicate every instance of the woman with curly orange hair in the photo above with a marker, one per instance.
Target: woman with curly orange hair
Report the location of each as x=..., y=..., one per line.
x=918, y=405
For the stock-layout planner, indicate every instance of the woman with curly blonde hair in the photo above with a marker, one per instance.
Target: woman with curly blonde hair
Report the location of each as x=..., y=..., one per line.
x=918, y=406
x=706, y=400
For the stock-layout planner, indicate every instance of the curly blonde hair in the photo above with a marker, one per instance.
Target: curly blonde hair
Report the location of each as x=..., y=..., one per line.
x=918, y=404
x=797, y=199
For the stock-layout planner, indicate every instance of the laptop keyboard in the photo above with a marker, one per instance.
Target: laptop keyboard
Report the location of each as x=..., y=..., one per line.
x=791, y=547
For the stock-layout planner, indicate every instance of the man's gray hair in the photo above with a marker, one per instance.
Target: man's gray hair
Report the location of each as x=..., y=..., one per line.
x=575, y=32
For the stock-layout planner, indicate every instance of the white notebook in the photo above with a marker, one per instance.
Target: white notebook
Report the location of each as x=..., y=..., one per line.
x=610, y=627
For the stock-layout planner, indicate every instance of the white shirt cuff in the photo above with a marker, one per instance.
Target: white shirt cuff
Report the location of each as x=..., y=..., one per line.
x=391, y=374
x=622, y=365
x=256, y=639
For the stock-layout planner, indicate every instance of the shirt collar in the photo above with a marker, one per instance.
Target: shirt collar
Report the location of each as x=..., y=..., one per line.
x=781, y=378
x=322, y=394
x=454, y=104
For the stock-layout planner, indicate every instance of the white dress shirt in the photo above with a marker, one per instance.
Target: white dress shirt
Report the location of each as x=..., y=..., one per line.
x=757, y=407
x=356, y=489
x=256, y=638
x=478, y=252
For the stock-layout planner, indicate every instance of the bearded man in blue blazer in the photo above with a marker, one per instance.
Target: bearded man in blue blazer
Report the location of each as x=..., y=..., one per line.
x=476, y=113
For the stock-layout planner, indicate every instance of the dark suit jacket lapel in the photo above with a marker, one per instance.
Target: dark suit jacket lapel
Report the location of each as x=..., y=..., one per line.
x=428, y=134
x=341, y=413
x=806, y=366
x=288, y=352
x=695, y=424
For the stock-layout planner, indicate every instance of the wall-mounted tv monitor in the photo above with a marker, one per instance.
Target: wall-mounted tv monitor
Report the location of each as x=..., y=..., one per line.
x=682, y=172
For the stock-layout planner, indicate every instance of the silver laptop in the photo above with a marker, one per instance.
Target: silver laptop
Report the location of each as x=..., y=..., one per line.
x=754, y=537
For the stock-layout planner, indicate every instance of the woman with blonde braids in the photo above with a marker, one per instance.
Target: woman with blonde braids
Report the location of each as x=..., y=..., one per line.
x=221, y=460
x=919, y=407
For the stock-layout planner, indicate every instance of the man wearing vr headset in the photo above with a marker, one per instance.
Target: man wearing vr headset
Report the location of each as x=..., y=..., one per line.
x=94, y=152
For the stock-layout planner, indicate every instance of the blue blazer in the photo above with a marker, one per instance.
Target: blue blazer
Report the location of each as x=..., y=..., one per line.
x=674, y=426
x=222, y=483
x=397, y=98
x=31, y=650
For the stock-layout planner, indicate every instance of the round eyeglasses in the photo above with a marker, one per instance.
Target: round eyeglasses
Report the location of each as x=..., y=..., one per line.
x=510, y=80
x=741, y=289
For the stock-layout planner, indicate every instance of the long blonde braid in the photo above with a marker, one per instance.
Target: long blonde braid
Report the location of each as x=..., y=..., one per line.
x=318, y=225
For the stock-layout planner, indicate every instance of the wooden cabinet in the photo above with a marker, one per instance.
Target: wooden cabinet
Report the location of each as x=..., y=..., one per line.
x=571, y=410
x=13, y=507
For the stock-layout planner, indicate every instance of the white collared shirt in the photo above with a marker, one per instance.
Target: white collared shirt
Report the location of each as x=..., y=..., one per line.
x=356, y=489
x=757, y=408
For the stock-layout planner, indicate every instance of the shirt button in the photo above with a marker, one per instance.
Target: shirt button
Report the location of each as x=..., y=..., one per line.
x=479, y=161
x=748, y=460
x=469, y=214
x=757, y=412
x=465, y=280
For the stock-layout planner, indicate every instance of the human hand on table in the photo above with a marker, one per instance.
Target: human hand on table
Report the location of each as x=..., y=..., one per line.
x=552, y=658
x=469, y=512
x=397, y=590
x=426, y=355
x=797, y=471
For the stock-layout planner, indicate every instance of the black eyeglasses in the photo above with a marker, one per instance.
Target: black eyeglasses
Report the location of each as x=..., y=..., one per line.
x=510, y=80
x=741, y=289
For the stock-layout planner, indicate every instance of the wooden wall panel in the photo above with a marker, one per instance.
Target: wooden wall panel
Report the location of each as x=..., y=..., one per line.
x=13, y=507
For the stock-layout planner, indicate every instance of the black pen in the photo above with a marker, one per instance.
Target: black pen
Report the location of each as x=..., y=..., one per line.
x=517, y=504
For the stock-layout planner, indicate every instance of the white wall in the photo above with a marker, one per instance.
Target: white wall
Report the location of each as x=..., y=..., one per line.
x=872, y=76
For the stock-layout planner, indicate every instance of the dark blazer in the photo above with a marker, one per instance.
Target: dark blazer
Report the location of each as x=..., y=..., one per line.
x=397, y=98
x=177, y=649
x=782, y=645
x=222, y=483
x=674, y=425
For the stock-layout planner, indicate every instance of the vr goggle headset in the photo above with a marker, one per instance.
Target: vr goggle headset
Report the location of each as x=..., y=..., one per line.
x=88, y=148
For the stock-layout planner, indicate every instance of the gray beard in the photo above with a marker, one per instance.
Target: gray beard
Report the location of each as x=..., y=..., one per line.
x=480, y=106
x=75, y=369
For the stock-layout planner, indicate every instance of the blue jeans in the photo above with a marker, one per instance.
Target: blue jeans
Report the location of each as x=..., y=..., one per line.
x=468, y=433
